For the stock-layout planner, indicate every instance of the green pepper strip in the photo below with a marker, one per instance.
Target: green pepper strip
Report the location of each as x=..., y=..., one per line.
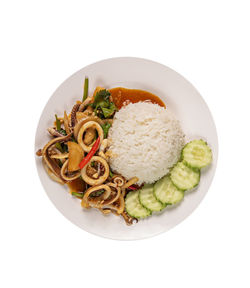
x=86, y=88
x=58, y=124
x=59, y=147
x=78, y=195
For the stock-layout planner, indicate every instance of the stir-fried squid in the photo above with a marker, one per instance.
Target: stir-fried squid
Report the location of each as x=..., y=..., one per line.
x=93, y=175
x=78, y=152
x=81, y=138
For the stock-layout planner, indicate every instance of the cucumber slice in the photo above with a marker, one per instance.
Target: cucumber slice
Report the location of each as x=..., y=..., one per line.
x=148, y=200
x=197, y=154
x=166, y=192
x=134, y=207
x=184, y=177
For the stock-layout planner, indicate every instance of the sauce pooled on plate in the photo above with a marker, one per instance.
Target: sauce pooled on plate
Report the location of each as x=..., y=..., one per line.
x=77, y=185
x=123, y=96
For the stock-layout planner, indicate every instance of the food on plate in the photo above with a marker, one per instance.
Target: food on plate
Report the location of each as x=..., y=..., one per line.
x=148, y=199
x=184, y=177
x=197, y=154
x=123, y=152
x=145, y=140
x=122, y=96
x=133, y=206
x=166, y=192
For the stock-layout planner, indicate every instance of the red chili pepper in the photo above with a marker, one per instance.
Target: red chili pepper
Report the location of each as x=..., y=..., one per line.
x=91, y=153
x=135, y=187
x=132, y=187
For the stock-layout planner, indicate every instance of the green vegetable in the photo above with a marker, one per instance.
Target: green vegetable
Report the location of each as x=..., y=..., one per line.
x=63, y=132
x=86, y=88
x=133, y=206
x=78, y=195
x=73, y=139
x=111, y=174
x=148, y=200
x=65, y=148
x=92, y=164
x=102, y=97
x=60, y=163
x=97, y=193
x=105, y=128
x=183, y=177
x=58, y=124
x=107, y=112
x=197, y=154
x=166, y=192
x=103, y=108
x=59, y=147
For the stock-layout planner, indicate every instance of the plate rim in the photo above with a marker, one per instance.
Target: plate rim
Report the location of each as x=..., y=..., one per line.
x=215, y=160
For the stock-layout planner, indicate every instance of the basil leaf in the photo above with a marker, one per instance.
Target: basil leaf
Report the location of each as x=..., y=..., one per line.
x=105, y=128
x=63, y=132
x=103, y=108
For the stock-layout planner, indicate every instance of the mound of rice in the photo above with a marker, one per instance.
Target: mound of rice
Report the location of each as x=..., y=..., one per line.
x=145, y=141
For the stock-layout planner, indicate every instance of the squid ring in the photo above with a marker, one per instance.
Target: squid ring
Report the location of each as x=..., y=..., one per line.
x=99, y=180
x=64, y=171
x=116, y=197
x=98, y=200
x=118, y=180
x=116, y=207
x=89, y=124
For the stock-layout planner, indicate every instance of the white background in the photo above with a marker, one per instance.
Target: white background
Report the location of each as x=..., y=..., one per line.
x=42, y=43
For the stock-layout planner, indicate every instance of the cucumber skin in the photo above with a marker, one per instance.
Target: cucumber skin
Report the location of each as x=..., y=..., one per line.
x=188, y=188
x=166, y=204
x=189, y=165
x=169, y=204
x=163, y=205
x=194, y=169
x=191, y=187
x=150, y=212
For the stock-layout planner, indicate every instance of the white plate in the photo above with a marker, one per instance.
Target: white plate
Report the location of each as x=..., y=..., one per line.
x=178, y=94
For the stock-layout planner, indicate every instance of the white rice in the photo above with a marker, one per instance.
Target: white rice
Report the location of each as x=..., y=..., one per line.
x=145, y=141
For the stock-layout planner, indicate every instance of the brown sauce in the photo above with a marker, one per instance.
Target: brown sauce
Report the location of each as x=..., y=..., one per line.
x=77, y=185
x=123, y=96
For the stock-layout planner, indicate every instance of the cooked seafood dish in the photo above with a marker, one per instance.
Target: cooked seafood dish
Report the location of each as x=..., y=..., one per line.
x=123, y=152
